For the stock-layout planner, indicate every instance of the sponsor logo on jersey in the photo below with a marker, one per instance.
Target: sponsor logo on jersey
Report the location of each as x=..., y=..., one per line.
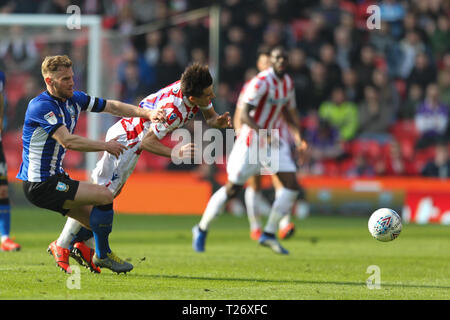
x=61, y=186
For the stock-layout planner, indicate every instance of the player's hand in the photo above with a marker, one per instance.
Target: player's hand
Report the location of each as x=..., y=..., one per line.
x=223, y=121
x=114, y=147
x=157, y=115
x=188, y=151
x=302, y=149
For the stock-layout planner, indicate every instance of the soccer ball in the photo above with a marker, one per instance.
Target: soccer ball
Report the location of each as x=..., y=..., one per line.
x=385, y=224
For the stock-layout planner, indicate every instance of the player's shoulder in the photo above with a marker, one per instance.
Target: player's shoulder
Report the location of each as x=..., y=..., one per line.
x=43, y=101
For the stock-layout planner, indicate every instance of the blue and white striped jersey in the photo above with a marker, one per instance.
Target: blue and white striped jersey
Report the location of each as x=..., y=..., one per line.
x=42, y=156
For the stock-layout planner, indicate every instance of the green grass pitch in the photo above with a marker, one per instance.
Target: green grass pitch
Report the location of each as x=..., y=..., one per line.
x=329, y=260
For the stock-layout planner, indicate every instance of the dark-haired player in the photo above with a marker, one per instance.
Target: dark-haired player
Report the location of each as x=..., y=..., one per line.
x=180, y=102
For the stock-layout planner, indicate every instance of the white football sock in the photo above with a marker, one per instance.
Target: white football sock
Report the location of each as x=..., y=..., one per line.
x=250, y=196
x=4, y=238
x=284, y=200
x=215, y=207
x=284, y=221
x=90, y=242
x=69, y=232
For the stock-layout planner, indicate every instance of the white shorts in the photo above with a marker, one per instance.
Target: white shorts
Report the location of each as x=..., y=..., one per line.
x=113, y=172
x=243, y=161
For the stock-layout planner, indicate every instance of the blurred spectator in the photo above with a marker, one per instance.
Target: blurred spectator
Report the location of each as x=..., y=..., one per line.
x=341, y=113
x=345, y=48
x=153, y=47
x=331, y=12
x=223, y=102
x=392, y=162
x=366, y=65
x=254, y=26
x=324, y=142
x=439, y=167
x=410, y=46
x=300, y=74
x=393, y=12
x=408, y=108
x=389, y=96
x=332, y=69
x=444, y=86
x=431, y=118
x=385, y=45
x=18, y=51
x=439, y=34
x=352, y=85
x=131, y=86
x=31, y=90
x=374, y=117
x=144, y=11
x=311, y=41
x=177, y=40
x=56, y=6
x=168, y=69
x=318, y=90
x=361, y=166
x=146, y=72
x=423, y=72
x=232, y=68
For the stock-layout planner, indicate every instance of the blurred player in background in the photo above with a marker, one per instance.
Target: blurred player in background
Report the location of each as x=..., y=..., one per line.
x=7, y=244
x=268, y=96
x=255, y=202
x=180, y=102
x=48, y=129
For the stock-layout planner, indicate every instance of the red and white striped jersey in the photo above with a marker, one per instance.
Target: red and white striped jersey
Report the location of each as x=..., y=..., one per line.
x=178, y=111
x=269, y=94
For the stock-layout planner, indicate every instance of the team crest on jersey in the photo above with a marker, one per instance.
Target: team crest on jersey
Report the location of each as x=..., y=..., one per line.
x=51, y=118
x=172, y=117
x=71, y=110
x=61, y=186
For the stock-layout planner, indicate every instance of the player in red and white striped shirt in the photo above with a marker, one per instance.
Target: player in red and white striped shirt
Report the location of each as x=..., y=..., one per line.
x=180, y=102
x=268, y=97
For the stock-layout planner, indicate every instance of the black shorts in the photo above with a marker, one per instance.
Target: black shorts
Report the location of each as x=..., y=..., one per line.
x=52, y=193
x=3, y=167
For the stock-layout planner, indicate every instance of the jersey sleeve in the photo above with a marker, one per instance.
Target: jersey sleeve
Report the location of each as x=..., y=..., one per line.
x=254, y=91
x=45, y=114
x=88, y=103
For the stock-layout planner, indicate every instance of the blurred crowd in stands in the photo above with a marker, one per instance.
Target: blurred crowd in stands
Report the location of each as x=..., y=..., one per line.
x=373, y=102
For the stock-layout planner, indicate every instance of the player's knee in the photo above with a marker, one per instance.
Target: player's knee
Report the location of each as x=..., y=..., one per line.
x=105, y=196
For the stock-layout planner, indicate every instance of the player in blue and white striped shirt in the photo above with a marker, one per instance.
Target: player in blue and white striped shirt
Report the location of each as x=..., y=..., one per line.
x=48, y=129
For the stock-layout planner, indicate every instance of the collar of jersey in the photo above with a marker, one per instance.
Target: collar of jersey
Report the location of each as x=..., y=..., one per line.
x=52, y=96
x=189, y=103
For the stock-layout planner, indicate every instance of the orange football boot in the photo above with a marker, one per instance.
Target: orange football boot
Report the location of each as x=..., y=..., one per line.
x=61, y=256
x=83, y=255
x=9, y=245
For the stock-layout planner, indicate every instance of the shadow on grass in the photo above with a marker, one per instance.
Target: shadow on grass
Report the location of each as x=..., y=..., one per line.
x=344, y=283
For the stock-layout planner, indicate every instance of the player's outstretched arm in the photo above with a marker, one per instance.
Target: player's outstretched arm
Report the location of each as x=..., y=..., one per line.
x=122, y=109
x=78, y=143
x=151, y=143
x=214, y=120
